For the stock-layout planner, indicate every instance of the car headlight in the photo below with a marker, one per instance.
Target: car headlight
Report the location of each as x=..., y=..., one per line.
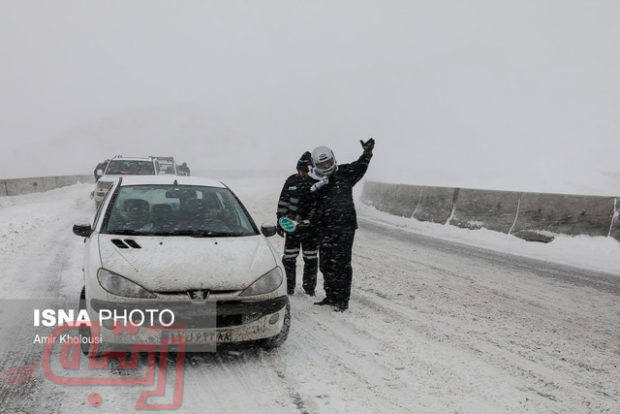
x=118, y=285
x=104, y=185
x=267, y=283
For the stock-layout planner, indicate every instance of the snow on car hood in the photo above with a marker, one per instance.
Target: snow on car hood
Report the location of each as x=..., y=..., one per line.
x=178, y=263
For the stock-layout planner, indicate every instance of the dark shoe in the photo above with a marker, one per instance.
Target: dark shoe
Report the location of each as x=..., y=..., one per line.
x=309, y=292
x=341, y=307
x=325, y=301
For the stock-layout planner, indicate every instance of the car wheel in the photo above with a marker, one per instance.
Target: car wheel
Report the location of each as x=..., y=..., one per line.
x=276, y=341
x=84, y=330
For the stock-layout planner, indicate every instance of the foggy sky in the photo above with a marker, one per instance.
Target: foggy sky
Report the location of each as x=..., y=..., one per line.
x=496, y=94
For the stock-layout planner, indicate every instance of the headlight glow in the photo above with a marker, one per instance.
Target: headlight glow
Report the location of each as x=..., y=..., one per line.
x=118, y=285
x=267, y=283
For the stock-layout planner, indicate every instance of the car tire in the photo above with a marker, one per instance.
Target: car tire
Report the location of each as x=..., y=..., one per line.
x=276, y=341
x=84, y=330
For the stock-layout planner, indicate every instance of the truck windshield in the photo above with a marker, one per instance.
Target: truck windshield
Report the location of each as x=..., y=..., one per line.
x=177, y=210
x=165, y=168
x=129, y=167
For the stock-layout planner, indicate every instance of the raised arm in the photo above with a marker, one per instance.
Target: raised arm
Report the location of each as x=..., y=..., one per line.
x=357, y=169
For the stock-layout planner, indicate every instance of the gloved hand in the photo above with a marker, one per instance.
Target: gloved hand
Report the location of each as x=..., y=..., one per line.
x=368, y=145
x=279, y=229
x=316, y=186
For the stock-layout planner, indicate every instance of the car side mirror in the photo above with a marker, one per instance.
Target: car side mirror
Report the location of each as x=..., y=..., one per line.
x=82, y=230
x=268, y=230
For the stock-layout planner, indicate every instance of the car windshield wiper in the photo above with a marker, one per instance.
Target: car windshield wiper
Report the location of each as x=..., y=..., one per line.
x=191, y=233
x=128, y=232
x=205, y=233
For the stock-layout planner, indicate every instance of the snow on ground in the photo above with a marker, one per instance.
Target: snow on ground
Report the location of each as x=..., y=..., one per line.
x=36, y=235
x=429, y=329
x=595, y=253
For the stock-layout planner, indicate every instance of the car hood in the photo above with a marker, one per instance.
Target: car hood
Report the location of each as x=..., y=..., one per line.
x=112, y=177
x=179, y=263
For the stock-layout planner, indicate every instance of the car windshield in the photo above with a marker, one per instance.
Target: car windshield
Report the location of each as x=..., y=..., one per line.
x=130, y=167
x=177, y=210
x=166, y=168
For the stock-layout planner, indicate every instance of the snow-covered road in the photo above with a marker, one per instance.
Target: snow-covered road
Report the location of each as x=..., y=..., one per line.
x=433, y=326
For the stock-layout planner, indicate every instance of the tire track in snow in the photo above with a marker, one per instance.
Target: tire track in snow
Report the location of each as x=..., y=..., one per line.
x=481, y=311
x=42, y=257
x=295, y=396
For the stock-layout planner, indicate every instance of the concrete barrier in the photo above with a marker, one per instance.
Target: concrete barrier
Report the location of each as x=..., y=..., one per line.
x=567, y=214
x=397, y=199
x=614, y=228
x=376, y=194
x=493, y=210
x=531, y=216
x=63, y=180
x=29, y=185
x=16, y=186
x=435, y=204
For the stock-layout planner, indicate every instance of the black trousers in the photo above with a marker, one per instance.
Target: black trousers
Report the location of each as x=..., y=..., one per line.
x=307, y=240
x=336, y=251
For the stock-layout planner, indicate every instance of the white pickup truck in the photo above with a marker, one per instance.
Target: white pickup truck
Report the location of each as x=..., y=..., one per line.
x=120, y=166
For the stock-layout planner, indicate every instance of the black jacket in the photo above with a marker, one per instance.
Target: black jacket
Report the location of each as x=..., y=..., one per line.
x=296, y=198
x=183, y=169
x=334, y=201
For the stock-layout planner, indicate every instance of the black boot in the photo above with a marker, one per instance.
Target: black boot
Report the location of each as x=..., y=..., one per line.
x=290, y=277
x=341, y=306
x=326, y=301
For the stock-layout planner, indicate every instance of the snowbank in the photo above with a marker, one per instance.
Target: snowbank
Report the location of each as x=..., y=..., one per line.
x=595, y=253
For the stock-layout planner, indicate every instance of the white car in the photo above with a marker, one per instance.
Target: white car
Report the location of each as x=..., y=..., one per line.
x=187, y=245
x=120, y=166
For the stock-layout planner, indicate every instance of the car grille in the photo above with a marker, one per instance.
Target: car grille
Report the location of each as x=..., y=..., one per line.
x=201, y=314
x=197, y=294
x=222, y=320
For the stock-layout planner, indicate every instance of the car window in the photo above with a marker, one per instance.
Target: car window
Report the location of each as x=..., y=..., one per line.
x=129, y=167
x=199, y=211
x=166, y=168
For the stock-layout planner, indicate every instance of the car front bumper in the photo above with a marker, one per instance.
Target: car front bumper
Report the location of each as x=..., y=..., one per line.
x=201, y=323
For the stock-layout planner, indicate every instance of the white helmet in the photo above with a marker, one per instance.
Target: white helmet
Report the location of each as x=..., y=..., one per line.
x=323, y=161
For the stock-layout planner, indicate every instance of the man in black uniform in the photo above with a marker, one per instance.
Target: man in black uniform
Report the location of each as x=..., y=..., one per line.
x=336, y=220
x=183, y=169
x=296, y=203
